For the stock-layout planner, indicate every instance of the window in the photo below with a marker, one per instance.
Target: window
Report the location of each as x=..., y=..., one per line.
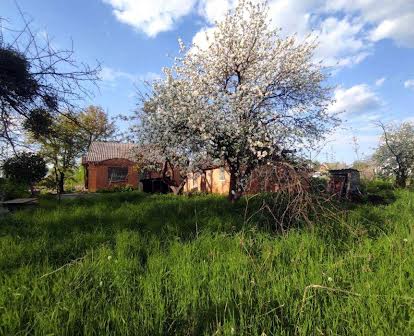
x=117, y=174
x=222, y=176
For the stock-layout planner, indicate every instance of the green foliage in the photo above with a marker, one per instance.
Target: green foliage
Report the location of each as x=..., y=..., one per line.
x=318, y=184
x=61, y=147
x=137, y=264
x=63, y=140
x=117, y=188
x=10, y=189
x=94, y=125
x=378, y=191
x=26, y=168
x=76, y=180
x=39, y=122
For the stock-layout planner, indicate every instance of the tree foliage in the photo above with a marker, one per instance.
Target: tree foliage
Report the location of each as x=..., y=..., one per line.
x=243, y=99
x=94, y=125
x=27, y=168
x=39, y=122
x=395, y=154
x=61, y=147
x=64, y=139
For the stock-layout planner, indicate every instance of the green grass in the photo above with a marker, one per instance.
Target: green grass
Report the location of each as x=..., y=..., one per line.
x=133, y=264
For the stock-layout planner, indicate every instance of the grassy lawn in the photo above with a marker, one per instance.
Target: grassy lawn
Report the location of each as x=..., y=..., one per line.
x=134, y=264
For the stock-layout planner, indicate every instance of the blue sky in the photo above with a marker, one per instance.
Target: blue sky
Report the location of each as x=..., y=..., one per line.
x=369, y=45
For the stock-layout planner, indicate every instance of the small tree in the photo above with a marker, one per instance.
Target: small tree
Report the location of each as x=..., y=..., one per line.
x=61, y=143
x=65, y=138
x=27, y=168
x=395, y=154
x=243, y=99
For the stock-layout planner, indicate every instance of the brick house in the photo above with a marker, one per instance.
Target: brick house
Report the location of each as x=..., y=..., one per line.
x=213, y=179
x=109, y=164
x=216, y=179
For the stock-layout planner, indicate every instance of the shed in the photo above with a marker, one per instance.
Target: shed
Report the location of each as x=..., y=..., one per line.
x=344, y=182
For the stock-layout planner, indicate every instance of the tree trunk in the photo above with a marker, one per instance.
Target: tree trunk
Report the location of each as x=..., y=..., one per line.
x=61, y=182
x=234, y=192
x=31, y=190
x=401, y=180
x=177, y=190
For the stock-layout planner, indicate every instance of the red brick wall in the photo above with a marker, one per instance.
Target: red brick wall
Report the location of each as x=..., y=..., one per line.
x=98, y=174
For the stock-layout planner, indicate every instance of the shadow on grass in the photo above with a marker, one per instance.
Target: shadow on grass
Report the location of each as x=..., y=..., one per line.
x=57, y=233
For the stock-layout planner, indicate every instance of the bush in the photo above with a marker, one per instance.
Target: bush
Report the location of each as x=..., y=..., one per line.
x=118, y=188
x=318, y=184
x=380, y=192
x=27, y=168
x=10, y=189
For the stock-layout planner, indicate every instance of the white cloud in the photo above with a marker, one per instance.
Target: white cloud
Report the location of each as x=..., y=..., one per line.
x=340, y=42
x=293, y=16
x=202, y=37
x=389, y=18
x=399, y=29
x=108, y=74
x=409, y=84
x=215, y=10
x=358, y=99
x=380, y=81
x=372, y=10
x=347, y=29
x=151, y=16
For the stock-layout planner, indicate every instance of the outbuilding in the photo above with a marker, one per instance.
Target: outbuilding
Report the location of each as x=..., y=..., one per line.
x=344, y=182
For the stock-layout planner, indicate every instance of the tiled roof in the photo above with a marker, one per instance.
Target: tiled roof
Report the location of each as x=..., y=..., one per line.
x=101, y=151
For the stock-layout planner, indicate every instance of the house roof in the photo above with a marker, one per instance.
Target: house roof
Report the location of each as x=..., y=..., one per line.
x=101, y=151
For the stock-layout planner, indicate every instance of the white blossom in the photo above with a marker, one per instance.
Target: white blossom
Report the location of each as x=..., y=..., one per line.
x=395, y=154
x=241, y=99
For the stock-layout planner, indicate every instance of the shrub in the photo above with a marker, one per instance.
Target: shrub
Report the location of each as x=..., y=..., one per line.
x=10, y=189
x=27, y=168
x=118, y=188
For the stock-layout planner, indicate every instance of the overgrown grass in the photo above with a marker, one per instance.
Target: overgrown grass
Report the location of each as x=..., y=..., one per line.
x=134, y=264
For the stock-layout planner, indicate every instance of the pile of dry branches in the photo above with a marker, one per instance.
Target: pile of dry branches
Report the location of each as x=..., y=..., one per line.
x=290, y=198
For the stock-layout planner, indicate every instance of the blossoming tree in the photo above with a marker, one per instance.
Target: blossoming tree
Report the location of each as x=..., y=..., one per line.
x=395, y=154
x=243, y=99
